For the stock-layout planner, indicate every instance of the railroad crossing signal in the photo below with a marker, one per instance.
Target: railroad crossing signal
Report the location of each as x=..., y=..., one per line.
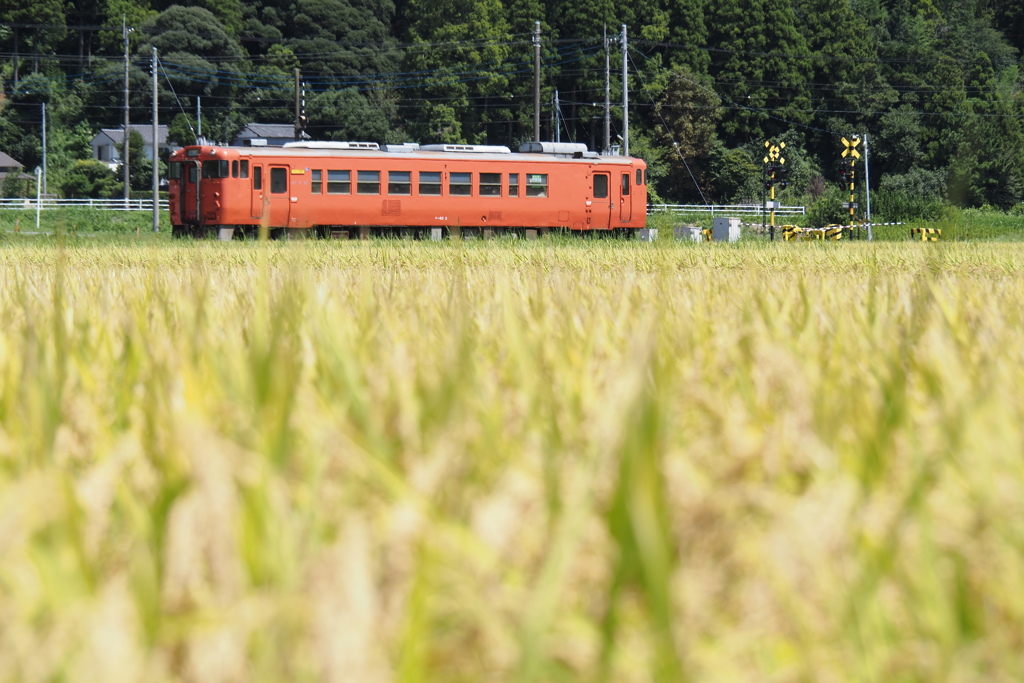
x=773, y=163
x=849, y=176
x=774, y=152
x=851, y=148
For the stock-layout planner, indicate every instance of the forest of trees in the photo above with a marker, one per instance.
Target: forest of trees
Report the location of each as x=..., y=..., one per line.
x=935, y=83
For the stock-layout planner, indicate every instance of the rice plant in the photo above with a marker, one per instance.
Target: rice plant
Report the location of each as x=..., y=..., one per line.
x=511, y=461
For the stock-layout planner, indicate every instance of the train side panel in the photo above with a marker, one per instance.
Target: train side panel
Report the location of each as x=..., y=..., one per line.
x=291, y=189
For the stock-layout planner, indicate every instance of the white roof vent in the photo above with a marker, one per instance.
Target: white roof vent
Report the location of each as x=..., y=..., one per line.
x=473, y=149
x=568, y=148
x=402, y=147
x=330, y=144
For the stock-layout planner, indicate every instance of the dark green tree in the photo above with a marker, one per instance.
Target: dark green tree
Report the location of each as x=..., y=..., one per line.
x=90, y=179
x=342, y=43
x=199, y=57
x=182, y=130
x=760, y=68
x=460, y=53
x=988, y=168
x=688, y=114
x=49, y=15
x=897, y=147
x=141, y=166
x=345, y=115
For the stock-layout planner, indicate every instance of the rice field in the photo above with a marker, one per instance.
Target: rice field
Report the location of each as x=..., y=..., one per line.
x=511, y=461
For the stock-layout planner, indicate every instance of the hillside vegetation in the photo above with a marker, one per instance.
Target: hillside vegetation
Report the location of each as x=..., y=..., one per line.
x=935, y=83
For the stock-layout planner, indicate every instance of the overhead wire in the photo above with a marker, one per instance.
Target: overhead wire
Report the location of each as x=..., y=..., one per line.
x=671, y=133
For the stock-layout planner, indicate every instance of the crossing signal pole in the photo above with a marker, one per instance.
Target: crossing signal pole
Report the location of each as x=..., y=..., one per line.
x=850, y=176
x=775, y=174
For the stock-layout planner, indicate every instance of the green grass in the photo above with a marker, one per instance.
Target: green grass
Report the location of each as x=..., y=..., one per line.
x=510, y=461
x=974, y=225
x=82, y=221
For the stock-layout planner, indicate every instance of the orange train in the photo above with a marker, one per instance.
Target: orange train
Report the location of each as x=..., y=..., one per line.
x=360, y=188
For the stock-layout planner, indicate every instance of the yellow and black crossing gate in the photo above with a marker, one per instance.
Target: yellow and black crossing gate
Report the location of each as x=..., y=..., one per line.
x=926, y=234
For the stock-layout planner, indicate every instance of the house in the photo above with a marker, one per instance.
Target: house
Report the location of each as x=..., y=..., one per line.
x=275, y=134
x=104, y=145
x=12, y=167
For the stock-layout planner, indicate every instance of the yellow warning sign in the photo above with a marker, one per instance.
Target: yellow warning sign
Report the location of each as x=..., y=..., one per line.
x=774, y=152
x=851, y=148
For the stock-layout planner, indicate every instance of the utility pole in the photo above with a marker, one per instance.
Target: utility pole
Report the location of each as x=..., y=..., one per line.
x=156, y=153
x=558, y=119
x=867, y=187
x=199, y=118
x=298, y=105
x=44, y=147
x=607, y=93
x=39, y=198
x=125, y=144
x=536, y=81
x=625, y=94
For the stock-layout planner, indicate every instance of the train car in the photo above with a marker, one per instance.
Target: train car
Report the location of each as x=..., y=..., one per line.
x=357, y=189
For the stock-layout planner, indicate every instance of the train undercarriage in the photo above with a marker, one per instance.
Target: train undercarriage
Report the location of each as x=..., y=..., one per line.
x=243, y=232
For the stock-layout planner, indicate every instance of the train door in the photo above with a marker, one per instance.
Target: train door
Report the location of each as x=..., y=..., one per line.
x=256, y=175
x=602, y=201
x=190, y=192
x=279, y=199
x=625, y=202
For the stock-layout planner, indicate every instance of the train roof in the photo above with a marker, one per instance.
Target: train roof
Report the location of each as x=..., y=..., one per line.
x=552, y=152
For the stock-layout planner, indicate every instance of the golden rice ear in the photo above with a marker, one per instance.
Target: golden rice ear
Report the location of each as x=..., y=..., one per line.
x=510, y=460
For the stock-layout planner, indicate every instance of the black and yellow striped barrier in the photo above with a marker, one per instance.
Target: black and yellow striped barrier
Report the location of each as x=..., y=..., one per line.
x=790, y=232
x=709, y=235
x=926, y=234
x=835, y=231
x=829, y=232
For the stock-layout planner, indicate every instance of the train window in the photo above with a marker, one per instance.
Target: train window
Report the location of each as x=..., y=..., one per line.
x=399, y=182
x=430, y=182
x=193, y=173
x=245, y=168
x=646, y=177
x=173, y=170
x=460, y=184
x=339, y=182
x=257, y=177
x=215, y=168
x=490, y=184
x=639, y=177
x=600, y=186
x=536, y=184
x=234, y=169
x=316, y=183
x=625, y=184
x=278, y=180
x=513, y=184
x=369, y=182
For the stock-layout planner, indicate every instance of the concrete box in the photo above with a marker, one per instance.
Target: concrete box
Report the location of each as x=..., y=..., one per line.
x=726, y=229
x=648, y=234
x=689, y=233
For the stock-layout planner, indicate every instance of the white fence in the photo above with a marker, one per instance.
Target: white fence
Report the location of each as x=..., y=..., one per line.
x=725, y=209
x=101, y=204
